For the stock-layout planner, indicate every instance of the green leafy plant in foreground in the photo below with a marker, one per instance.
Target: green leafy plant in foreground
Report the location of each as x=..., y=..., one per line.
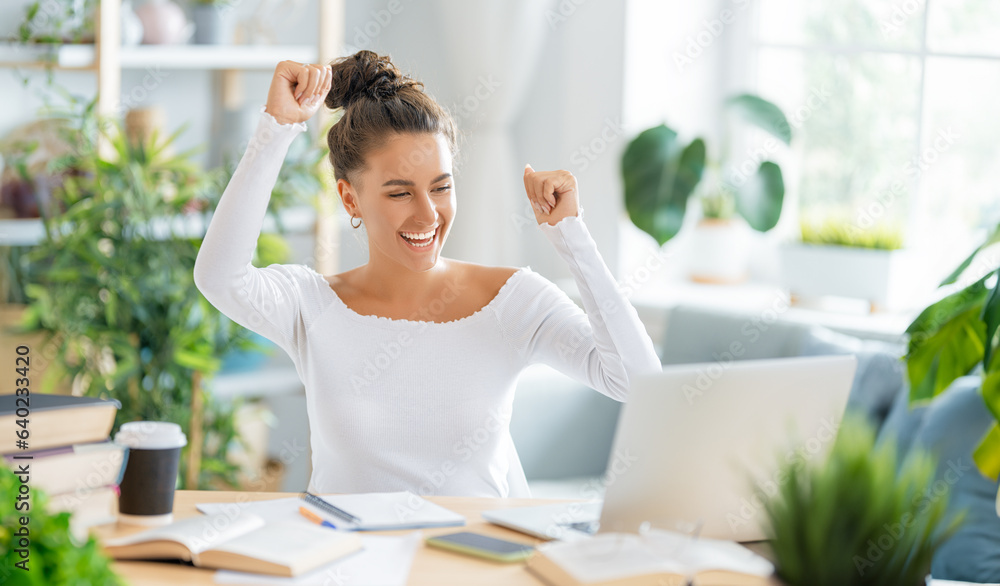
x=54, y=558
x=858, y=519
x=955, y=335
x=112, y=285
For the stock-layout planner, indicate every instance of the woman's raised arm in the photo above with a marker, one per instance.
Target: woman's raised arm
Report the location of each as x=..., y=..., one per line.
x=264, y=300
x=605, y=344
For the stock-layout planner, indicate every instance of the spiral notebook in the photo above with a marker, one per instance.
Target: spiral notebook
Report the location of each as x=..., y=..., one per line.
x=380, y=511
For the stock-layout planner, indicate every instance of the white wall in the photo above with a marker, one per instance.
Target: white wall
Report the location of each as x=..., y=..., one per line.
x=577, y=88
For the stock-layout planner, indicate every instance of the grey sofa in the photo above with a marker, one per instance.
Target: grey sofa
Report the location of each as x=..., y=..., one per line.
x=563, y=431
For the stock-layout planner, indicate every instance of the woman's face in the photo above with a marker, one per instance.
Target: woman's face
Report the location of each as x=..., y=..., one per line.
x=406, y=199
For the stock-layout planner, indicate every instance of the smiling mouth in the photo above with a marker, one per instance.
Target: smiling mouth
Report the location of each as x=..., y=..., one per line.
x=420, y=239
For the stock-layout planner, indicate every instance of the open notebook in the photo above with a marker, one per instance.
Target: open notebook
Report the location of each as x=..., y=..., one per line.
x=375, y=511
x=245, y=542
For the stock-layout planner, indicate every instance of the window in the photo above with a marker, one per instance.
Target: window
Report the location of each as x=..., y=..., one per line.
x=894, y=108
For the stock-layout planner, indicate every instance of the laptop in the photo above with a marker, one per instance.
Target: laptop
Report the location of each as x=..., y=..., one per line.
x=698, y=448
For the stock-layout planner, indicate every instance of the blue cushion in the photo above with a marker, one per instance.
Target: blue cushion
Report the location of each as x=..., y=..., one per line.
x=879, y=377
x=951, y=428
x=903, y=422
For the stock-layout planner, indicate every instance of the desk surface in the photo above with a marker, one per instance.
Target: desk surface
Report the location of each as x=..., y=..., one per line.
x=430, y=566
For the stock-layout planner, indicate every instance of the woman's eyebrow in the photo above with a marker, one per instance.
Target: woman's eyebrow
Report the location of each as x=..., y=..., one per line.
x=407, y=182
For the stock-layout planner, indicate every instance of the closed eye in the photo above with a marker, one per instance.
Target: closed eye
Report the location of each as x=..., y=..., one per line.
x=441, y=189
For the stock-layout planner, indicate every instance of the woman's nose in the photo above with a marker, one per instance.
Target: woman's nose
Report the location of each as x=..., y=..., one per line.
x=426, y=211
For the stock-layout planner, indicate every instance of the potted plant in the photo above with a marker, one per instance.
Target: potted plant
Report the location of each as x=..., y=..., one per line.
x=854, y=519
x=837, y=257
x=212, y=22
x=956, y=336
x=114, y=288
x=719, y=248
x=55, y=557
x=661, y=173
x=58, y=22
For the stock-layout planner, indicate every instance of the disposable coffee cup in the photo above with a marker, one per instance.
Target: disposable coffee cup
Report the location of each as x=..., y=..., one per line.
x=147, y=487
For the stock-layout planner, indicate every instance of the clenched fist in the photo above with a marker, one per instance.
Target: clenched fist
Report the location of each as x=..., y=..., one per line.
x=297, y=91
x=553, y=194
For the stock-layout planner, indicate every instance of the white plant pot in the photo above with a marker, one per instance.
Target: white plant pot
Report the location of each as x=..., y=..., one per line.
x=882, y=277
x=719, y=252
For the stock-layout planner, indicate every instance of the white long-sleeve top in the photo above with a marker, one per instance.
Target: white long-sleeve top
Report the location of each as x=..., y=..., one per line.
x=396, y=404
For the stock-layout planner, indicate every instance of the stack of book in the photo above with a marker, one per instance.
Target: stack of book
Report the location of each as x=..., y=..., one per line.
x=67, y=452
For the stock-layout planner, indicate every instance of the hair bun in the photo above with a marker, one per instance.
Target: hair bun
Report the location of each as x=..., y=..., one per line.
x=365, y=75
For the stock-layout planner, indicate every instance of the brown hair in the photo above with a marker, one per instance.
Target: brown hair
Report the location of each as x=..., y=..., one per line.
x=378, y=101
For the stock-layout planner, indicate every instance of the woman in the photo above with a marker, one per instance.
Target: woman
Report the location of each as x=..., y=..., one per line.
x=410, y=361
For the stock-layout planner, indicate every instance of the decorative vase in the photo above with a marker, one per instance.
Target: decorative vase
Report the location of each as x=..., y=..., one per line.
x=719, y=252
x=211, y=25
x=132, y=29
x=163, y=23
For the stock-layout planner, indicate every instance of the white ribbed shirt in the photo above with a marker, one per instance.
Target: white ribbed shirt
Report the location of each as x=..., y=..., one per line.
x=424, y=406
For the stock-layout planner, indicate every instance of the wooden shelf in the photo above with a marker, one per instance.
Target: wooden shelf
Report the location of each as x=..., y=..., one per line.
x=264, y=57
x=28, y=232
x=196, y=57
x=39, y=55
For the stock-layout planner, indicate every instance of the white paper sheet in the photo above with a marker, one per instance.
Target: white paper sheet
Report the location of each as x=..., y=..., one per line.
x=271, y=510
x=385, y=561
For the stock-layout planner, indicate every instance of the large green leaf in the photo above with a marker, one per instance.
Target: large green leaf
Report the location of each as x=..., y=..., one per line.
x=659, y=177
x=762, y=114
x=991, y=317
x=760, y=198
x=993, y=238
x=987, y=453
x=947, y=339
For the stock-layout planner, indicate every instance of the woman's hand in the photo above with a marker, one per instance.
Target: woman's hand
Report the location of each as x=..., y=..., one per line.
x=553, y=194
x=297, y=91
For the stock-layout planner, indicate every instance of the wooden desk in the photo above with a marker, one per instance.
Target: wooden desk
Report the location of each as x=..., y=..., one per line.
x=430, y=566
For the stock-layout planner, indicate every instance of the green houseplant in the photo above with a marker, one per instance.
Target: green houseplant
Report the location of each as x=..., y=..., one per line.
x=58, y=21
x=856, y=518
x=661, y=174
x=114, y=287
x=956, y=336
x=53, y=555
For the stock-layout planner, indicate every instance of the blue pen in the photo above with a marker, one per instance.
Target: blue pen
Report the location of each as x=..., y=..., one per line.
x=316, y=518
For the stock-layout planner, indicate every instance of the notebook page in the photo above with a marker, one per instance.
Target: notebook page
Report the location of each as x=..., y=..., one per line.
x=197, y=533
x=705, y=554
x=393, y=510
x=282, y=542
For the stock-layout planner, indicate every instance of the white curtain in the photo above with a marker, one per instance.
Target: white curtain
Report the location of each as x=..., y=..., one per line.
x=492, y=48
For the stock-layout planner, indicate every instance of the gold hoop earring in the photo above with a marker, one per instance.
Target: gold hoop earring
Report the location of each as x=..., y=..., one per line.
x=353, y=224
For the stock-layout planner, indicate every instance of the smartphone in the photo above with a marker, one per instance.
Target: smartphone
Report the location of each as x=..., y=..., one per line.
x=482, y=546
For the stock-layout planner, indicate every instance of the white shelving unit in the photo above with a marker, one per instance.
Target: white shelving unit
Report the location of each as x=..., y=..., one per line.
x=296, y=220
x=197, y=57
